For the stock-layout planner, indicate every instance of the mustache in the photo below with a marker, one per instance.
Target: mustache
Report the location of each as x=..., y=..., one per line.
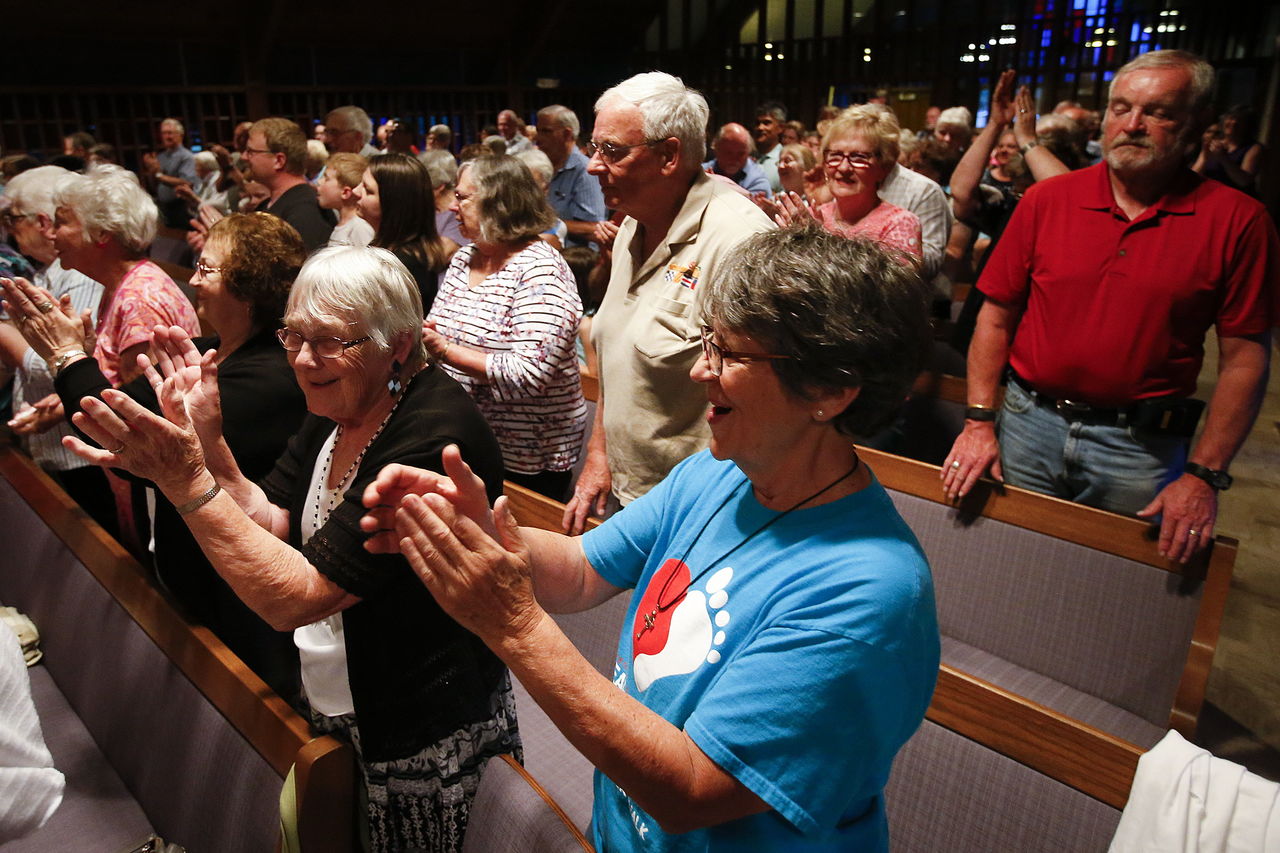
x=1126, y=139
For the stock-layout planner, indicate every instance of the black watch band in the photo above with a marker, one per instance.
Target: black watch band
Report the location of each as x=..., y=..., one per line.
x=1219, y=480
x=980, y=413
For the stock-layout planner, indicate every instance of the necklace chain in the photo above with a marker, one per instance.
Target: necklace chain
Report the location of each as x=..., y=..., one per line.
x=331, y=500
x=651, y=617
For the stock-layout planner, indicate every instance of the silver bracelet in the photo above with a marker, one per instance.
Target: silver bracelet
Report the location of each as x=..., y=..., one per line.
x=193, y=505
x=62, y=359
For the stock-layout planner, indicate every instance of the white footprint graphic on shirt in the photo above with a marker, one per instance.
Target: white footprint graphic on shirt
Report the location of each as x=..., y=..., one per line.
x=692, y=637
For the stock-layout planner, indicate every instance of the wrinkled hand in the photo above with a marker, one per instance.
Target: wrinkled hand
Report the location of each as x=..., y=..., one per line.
x=768, y=205
x=976, y=449
x=483, y=581
x=1024, y=119
x=792, y=209
x=459, y=485
x=605, y=233
x=166, y=452
x=590, y=494
x=46, y=414
x=49, y=332
x=1188, y=509
x=1002, y=106
x=193, y=377
x=151, y=163
x=437, y=344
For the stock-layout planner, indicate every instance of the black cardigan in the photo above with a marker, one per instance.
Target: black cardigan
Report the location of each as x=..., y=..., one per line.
x=415, y=674
x=262, y=408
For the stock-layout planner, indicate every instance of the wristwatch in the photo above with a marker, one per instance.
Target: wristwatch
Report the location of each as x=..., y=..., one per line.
x=980, y=413
x=1219, y=480
x=1035, y=143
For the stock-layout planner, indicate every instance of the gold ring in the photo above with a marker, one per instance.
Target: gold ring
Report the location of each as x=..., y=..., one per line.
x=1192, y=531
x=117, y=451
x=45, y=307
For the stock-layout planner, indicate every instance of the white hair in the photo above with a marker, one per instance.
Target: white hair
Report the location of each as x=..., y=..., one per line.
x=368, y=287
x=108, y=200
x=539, y=164
x=32, y=191
x=173, y=123
x=355, y=119
x=562, y=116
x=441, y=166
x=956, y=116
x=668, y=108
x=1202, y=75
x=206, y=159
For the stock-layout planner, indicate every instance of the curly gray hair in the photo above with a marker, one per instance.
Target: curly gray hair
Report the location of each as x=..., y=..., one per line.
x=848, y=313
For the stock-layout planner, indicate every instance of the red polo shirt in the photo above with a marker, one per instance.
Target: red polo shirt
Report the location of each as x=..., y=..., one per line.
x=1116, y=311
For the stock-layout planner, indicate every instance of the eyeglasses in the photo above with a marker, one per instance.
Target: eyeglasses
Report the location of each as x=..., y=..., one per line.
x=835, y=159
x=716, y=355
x=612, y=153
x=248, y=149
x=327, y=347
x=11, y=218
x=206, y=270
x=461, y=198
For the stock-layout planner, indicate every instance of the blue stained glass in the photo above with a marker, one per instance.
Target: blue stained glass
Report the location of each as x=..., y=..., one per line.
x=1046, y=38
x=1107, y=75
x=1135, y=33
x=1077, y=4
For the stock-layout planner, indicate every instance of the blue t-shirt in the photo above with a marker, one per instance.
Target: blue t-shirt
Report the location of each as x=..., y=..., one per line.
x=800, y=663
x=576, y=195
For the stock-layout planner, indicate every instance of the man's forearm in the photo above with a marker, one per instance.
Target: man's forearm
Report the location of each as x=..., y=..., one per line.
x=989, y=352
x=1242, y=379
x=581, y=228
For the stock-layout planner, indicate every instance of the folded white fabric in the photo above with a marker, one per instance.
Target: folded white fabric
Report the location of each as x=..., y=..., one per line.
x=1184, y=800
x=30, y=788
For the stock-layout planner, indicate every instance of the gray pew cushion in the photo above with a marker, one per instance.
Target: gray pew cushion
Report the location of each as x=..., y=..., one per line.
x=948, y=793
x=95, y=805
x=509, y=815
x=1100, y=624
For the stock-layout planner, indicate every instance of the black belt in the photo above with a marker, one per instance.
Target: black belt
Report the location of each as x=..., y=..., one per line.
x=1168, y=415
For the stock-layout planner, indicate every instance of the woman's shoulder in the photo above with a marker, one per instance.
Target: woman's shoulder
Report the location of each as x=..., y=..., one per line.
x=147, y=275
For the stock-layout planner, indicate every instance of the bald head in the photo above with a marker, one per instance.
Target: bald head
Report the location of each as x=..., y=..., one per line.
x=732, y=147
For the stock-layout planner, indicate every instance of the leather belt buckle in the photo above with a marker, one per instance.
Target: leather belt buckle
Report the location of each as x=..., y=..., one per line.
x=1068, y=408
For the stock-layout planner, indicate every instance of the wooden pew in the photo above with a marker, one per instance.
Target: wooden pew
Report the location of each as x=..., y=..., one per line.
x=199, y=741
x=1040, y=768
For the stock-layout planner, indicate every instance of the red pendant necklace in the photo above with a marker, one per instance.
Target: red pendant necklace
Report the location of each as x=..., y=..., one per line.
x=650, y=618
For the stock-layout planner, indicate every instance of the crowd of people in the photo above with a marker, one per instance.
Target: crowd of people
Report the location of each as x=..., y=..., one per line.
x=391, y=330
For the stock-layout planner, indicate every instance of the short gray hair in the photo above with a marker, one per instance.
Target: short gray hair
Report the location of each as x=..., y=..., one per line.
x=173, y=123
x=441, y=167
x=206, y=159
x=441, y=131
x=956, y=117
x=669, y=108
x=1201, y=72
x=354, y=118
x=562, y=116
x=539, y=164
x=512, y=207
x=365, y=286
x=32, y=191
x=847, y=312
x=108, y=200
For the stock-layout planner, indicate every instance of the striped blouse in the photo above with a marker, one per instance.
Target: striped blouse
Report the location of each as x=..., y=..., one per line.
x=525, y=317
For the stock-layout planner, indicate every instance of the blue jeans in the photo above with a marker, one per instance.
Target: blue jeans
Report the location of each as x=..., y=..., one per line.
x=1116, y=468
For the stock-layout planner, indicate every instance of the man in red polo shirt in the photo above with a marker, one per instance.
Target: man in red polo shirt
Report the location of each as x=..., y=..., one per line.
x=1098, y=298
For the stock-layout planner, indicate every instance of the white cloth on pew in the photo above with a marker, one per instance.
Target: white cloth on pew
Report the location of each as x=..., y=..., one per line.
x=30, y=787
x=1185, y=800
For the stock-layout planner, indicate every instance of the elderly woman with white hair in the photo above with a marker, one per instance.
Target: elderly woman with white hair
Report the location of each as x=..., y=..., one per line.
x=422, y=700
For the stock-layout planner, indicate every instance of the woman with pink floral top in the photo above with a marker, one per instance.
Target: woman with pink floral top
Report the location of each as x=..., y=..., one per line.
x=856, y=157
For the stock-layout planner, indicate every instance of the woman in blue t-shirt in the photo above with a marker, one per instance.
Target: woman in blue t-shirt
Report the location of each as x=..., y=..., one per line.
x=782, y=642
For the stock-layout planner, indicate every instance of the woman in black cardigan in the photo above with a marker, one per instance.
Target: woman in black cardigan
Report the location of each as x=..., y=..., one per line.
x=241, y=283
x=421, y=699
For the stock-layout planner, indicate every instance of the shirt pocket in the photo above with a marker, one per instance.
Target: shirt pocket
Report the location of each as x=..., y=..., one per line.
x=662, y=328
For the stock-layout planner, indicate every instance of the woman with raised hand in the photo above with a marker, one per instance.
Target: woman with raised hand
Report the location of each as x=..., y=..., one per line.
x=505, y=322
x=241, y=282
x=782, y=643
x=423, y=702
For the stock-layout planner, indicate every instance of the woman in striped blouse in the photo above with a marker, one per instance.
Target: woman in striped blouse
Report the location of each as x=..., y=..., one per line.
x=505, y=321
